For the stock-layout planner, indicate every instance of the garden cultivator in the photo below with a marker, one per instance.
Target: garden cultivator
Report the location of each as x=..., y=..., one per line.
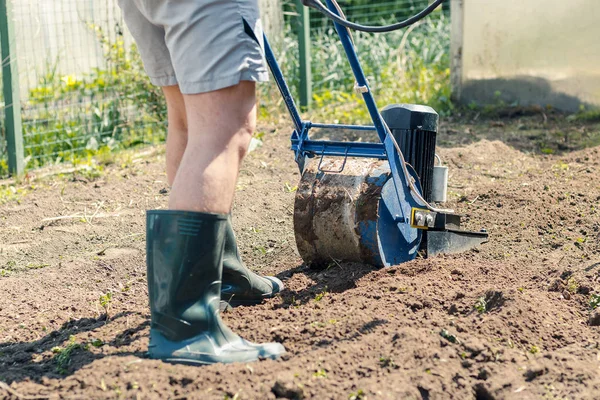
x=371, y=202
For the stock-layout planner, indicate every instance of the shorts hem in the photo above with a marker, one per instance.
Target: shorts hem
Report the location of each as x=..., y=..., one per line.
x=164, y=80
x=222, y=83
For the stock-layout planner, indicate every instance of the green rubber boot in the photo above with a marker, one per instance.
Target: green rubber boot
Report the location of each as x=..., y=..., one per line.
x=240, y=285
x=184, y=260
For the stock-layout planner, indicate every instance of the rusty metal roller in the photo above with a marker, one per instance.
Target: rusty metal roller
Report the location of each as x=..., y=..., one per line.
x=344, y=213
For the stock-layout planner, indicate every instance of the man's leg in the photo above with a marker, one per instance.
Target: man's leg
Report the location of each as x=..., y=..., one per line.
x=185, y=243
x=220, y=126
x=241, y=286
x=202, y=46
x=178, y=130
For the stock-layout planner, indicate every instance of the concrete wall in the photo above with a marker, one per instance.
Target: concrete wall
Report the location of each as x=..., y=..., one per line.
x=543, y=52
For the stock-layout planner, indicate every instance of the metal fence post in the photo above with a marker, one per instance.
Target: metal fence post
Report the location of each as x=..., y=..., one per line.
x=10, y=89
x=304, y=50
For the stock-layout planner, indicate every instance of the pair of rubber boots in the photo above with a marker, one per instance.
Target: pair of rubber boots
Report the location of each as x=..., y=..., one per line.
x=189, y=254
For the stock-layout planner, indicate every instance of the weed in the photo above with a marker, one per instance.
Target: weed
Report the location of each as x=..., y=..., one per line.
x=481, y=305
x=290, y=189
x=572, y=285
x=321, y=373
x=358, y=395
x=534, y=349
x=97, y=343
x=320, y=295
x=37, y=266
x=11, y=265
x=10, y=193
x=63, y=355
x=387, y=362
x=594, y=301
x=105, y=303
x=585, y=115
x=449, y=337
x=261, y=249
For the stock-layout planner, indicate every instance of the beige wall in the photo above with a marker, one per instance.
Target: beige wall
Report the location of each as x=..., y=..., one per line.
x=530, y=51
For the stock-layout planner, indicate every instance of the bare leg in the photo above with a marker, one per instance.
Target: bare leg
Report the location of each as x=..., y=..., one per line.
x=220, y=126
x=177, y=134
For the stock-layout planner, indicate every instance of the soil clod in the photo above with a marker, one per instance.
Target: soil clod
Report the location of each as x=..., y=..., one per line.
x=287, y=390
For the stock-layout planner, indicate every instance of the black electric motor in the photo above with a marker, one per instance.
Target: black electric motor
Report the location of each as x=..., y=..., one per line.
x=415, y=129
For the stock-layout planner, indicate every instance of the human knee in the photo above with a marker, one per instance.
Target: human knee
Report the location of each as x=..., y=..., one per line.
x=247, y=131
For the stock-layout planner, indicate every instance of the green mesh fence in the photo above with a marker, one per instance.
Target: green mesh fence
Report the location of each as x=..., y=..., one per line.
x=84, y=92
x=405, y=66
x=82, y=86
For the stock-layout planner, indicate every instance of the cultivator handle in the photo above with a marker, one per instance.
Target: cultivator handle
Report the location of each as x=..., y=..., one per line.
x=337, y=16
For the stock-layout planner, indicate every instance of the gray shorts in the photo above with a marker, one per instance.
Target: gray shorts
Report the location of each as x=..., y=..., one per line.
x=201, y=45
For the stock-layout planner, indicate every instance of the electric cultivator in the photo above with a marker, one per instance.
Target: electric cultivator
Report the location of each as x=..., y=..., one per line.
x=371, y=202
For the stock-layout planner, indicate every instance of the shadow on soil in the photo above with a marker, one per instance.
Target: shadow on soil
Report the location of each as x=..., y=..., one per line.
x=335, y=279
x=23, y=361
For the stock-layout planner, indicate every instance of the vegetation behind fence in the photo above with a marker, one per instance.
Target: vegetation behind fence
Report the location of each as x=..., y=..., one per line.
x=84, y=92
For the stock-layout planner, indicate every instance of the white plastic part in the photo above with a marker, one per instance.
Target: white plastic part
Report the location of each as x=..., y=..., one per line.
x=439, y=190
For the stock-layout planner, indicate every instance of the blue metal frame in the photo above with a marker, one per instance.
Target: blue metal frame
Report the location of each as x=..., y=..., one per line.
x=391, y=239
x=302, y=145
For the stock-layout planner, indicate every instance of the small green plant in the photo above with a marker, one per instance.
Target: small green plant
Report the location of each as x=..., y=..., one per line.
x=62, y=356
x=534, y=349
x=261, y=249
x=585, y=115
x=320, y=295
x=97, y=343
x=449, y=337
x=289, y=188
x=387, y=362
x=594, y=301
x=480, y=305
x=105, y=302
x=572, y=285
x=358, y=395
x=320, y=373
x=37, y=266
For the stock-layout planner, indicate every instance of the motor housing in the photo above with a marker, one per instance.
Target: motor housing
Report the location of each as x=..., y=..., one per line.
x=415, y=129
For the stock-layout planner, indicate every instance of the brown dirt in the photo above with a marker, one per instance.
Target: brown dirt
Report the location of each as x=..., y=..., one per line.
x=411, y=331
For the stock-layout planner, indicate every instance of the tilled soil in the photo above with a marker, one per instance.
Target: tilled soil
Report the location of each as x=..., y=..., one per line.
x=510, y=320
